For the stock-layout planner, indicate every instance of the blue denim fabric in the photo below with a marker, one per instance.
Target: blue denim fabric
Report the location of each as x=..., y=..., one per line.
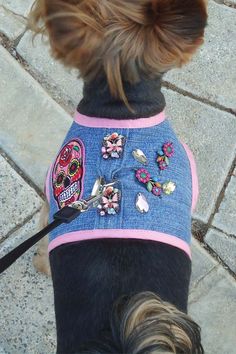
x=170, y=214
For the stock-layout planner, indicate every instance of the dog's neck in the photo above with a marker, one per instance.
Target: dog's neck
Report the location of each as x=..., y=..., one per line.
x=145, y=98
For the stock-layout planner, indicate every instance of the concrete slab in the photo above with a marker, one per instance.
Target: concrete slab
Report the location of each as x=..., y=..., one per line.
x=27, y=323
x=11, y=25
x=18, y=7
x=17, y=199
x=197, y=124
x=205, y=129
x=2, y=351
x=231, y=3
x=224, y=246
x=35, y=126
x=37, y=55
x=202, y=263
x=213, y=306
x=212, y=73
x=225, y=218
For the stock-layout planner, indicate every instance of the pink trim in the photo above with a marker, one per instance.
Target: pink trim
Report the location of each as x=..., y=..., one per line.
x=47, y=183
x=195, y=185
x=119, y=233
x=122, y=123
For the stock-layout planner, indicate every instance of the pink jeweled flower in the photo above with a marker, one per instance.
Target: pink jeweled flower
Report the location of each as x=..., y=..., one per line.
x=168, y=149
x=109, y=203
x=113, y=146
x=142, y=175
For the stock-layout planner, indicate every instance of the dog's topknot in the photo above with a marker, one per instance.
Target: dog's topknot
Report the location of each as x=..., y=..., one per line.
x=126, y=39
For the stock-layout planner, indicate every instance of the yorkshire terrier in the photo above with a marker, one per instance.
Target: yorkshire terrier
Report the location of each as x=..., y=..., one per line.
x=121, y=270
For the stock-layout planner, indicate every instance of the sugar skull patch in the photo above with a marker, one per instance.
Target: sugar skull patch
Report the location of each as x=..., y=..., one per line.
x=68, y=173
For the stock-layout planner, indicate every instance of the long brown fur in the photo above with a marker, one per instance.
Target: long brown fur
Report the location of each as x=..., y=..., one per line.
x=160, y=326
x=144, y=324
x=126, y=39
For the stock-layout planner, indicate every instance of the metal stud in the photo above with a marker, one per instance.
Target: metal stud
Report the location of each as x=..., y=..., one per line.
x=141, y=203
x=140, y=156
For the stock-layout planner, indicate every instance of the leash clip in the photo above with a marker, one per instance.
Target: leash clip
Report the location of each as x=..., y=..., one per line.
x=97, y=193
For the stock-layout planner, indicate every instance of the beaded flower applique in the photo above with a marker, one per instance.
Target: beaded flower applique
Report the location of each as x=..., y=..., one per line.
x=163, y=157
x=109, y=203
x=113, y=146
x=152, y=184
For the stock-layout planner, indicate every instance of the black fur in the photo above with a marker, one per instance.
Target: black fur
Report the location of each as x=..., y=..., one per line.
x=89, y=276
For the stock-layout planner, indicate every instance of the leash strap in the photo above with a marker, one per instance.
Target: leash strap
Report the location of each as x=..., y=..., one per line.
x=65, y=215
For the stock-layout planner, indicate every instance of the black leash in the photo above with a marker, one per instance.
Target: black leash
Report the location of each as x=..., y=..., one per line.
x=12, y=256
x=65, y=215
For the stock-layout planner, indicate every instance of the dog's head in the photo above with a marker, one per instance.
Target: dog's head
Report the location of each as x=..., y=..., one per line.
x=125, y=39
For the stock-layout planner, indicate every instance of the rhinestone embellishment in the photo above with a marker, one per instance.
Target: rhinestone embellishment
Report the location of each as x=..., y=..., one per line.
x=141, y=203
x=140, y=156
x=153, y=185
x=113, y=146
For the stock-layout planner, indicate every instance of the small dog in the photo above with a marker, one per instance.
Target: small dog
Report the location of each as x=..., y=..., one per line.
x=121, y=271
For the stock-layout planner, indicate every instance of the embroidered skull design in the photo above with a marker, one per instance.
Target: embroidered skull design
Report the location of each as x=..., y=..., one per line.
x=68, y=173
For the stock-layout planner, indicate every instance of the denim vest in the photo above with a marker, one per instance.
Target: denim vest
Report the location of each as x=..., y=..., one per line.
x=96, y=147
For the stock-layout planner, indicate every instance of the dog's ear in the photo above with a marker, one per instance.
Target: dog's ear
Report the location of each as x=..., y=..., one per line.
x=73, y=30
x=179, y=27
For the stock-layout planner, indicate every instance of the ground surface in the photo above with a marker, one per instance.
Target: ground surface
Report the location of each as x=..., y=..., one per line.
x=36, y=93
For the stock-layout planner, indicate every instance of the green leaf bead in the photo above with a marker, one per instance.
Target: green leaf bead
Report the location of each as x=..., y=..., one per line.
x=149, y=186
x=167, y=161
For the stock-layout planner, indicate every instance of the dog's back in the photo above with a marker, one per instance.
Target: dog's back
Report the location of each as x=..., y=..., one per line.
x=88, y=277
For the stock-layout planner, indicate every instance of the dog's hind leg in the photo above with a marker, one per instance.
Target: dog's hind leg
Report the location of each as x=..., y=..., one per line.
x=41, y=259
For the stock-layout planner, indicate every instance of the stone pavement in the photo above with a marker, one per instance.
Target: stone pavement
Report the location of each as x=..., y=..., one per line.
x=37, y=93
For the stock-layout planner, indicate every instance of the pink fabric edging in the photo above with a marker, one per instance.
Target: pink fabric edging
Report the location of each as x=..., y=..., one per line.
x=195, y=185
x=47, y=183
x=94, y=122
x=119, y=233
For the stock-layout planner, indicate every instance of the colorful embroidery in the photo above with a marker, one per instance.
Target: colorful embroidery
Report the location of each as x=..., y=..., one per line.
x=110, y=201
x=153, y=185
x=67, y=174
x=164, y=156
x=113, y=146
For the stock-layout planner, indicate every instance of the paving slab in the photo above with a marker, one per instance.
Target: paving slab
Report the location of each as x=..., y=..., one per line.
x=202, y=263
x=212, y=304
x=11, y=25
x=18, y=7
x=212, y=73
x=27, y=321
x=32, y=124
x=2, y=351
x=210, y=133
x=37, y=55
x=231, y=3
x=17, y=199
x=197, y=124
x=225, y=218
x=224, y=246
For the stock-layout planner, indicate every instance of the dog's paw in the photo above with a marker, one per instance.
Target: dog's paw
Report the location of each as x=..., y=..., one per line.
x=41, y=263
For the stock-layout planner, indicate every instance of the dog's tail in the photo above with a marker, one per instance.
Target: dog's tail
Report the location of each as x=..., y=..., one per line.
x=146, y=324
